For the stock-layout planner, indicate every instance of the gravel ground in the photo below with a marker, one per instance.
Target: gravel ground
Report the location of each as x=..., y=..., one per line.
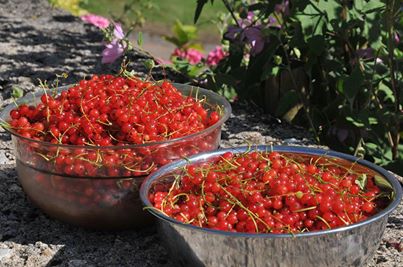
x=37, y=42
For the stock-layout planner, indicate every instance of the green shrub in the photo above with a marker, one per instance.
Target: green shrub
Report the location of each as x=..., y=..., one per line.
x=333, y=66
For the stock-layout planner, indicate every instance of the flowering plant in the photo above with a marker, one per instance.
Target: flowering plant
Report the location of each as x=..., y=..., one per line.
x=188, y=56
x=333, y=66
x=116, y=43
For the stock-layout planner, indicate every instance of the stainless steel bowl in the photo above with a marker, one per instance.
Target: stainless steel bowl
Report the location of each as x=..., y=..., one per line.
x=352, y=245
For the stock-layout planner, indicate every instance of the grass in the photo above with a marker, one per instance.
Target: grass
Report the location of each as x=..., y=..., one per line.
x=160, y=18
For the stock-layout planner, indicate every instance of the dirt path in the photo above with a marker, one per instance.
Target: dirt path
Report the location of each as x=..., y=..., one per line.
x=159, y=48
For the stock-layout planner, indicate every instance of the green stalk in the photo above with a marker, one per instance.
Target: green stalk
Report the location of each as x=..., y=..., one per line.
x=229, y=8
x=390, y=17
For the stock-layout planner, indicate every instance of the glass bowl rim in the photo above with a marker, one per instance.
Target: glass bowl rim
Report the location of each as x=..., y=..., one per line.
x=223, y=102
x=397, y=188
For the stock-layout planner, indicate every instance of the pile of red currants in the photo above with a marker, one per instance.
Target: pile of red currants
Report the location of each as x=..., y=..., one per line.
x=89, y=129
x=269, y=192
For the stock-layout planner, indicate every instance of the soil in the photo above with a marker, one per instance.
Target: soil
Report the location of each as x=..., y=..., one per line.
x=36, y=43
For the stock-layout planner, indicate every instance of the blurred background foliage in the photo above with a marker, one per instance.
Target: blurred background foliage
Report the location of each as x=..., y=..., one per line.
x=155, y=16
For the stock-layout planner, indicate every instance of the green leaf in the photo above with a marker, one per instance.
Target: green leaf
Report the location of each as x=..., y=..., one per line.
x=149, y=64
x=371, y=146
x=197, y=46
x=361, y=181
x=199, y=8
x=256, y=6
x=382, y=182
x=352, y=84
x=182, y=34
x=17, y=92
x=369, y=6
x=372, y=120
x=317, y=44
x=195, y=70
x=372, y=29
x=355, y=122
x=267, y=71
x=340, y=86
x=277, y=60
x=301, y=5
x=140, y=39
x=316, y=16
x=311, y=23
x=296, y=52
x=332, y=8
x=362, y=119
x=275, y=71
x=387, y=91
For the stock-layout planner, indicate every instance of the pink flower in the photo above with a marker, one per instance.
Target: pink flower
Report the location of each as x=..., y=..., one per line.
x=114, y=49
x=215, y=56
x=112, y=52
x=179, y=53
x=96, y=20
x=194, y=56
x=397, y=38
x=118, y=31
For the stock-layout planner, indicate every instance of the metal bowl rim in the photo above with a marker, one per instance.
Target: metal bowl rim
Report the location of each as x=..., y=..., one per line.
x=223, y=102
x=293, y=149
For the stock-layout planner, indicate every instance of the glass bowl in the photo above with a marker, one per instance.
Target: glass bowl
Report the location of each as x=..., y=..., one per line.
x=98, y=187
x=350, y=245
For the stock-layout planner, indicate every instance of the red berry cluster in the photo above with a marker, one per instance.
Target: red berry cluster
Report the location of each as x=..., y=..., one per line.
x=110, y=111
x=261, y=192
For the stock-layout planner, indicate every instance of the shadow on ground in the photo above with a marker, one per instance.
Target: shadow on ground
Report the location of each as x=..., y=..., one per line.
x=24, y=224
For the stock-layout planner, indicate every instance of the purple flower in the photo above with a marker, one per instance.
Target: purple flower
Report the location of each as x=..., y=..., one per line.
x=255, y=38
x=96, y=20
x=232, y=32
x=112, y=52
x=248, y=21
x=273, y=22
x=248, y=32
x=367, y=53
x=283, y=8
